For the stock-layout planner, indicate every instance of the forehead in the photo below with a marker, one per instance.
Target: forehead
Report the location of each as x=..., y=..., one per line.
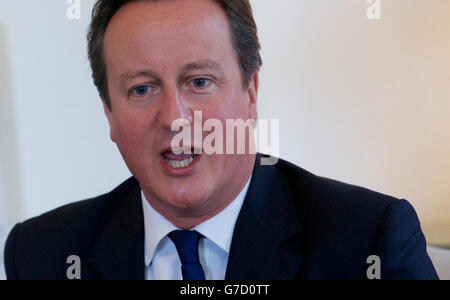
x=166, y=30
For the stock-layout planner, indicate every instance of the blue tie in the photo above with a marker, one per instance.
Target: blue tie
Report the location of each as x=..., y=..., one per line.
x=186, y=243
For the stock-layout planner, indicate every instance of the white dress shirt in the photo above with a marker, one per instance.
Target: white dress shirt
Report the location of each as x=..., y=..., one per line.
x=161, y=257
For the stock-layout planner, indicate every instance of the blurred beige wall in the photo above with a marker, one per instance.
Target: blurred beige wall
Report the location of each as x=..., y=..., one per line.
x=366, y=102
x=9, y=161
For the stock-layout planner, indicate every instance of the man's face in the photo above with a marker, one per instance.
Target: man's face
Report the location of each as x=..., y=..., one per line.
x=164, y=61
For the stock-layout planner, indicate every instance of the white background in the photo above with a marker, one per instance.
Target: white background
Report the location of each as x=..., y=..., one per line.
x=365, y=102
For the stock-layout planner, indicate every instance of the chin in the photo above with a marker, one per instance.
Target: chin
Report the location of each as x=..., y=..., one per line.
x=186, y=199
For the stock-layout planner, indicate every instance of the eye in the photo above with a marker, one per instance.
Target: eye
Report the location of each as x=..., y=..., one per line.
x=200, y=82
x=141, y=90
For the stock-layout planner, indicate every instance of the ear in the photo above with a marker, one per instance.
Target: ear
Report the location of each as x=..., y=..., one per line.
x=253, y=95
x=110, y=117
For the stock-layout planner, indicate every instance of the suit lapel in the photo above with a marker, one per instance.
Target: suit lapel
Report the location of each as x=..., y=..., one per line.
x=119, y=251
x=267, y=237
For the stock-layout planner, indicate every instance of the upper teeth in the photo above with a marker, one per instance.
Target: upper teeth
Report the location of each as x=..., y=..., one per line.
x=176, y=164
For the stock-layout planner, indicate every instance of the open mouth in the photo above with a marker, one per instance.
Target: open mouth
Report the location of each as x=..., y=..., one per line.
x=179, y=161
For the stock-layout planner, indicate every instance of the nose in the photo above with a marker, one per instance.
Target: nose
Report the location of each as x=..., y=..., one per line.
x=173, y=107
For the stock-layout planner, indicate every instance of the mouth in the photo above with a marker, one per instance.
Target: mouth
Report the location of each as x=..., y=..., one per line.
x=183, y=161
x=180, y=161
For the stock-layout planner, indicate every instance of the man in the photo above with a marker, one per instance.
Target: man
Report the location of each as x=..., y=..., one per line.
x=197, y=216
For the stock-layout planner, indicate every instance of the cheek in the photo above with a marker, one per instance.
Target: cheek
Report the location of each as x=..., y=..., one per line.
x=230, y=106
x=235, y=110
x=130, y=131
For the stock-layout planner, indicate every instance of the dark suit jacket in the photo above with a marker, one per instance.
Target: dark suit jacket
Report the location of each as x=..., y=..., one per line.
x=293, y=225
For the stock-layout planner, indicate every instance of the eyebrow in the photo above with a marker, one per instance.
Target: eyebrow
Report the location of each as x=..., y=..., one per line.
x=143, y=73
x=201, y=65
x=198, y=65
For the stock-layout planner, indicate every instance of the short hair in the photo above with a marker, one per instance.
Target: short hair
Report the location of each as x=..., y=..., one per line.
x=244, y=37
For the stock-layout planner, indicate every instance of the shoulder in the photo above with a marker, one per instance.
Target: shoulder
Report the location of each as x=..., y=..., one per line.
x=68, y=230
x=334, y=194
x=344, y=224
x=337, y=212
x=79, y=215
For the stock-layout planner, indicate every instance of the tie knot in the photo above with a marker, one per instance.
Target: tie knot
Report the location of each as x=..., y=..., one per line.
x=186, y=242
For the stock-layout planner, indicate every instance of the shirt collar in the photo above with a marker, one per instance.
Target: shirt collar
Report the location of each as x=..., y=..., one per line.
x=219, y=229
